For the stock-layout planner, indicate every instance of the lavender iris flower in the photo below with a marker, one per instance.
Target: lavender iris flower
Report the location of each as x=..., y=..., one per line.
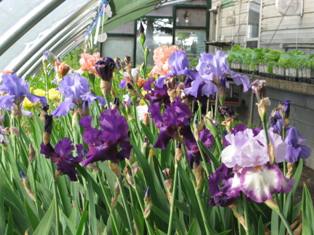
x=76, y=92
x=110, y=142
x=213, y=72
x=62, y=156
x=296, y=146
x=178, y=63
x=13, y=90
x=247, y=149
x=200, y=86
x=176, y=116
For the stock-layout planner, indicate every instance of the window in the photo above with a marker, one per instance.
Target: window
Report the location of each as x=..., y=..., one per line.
x=192, y=41
x=191, y=28
x=253, y=19
x=120, y=42
x=159, y=31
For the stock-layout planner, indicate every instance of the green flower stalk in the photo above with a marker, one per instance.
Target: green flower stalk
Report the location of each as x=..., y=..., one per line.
x=178, y=157
x=275, y=208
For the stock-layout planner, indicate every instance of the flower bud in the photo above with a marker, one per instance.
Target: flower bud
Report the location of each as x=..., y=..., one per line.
x=62, y=69
x=105, y=67
x=128, y=177
x=115, y=168
x=26, y=186
x=142, y=37
x=148, y=203
x=258, y=87
x=151, y=153
x=115, y=197
x=228, y=123
x=239, y=216
x=146, y=119
x=262, y=107
x=178, y=153
x=31, y=153
x=198, y=174
x=168, y=186
x=290, y=167
x=272, y=205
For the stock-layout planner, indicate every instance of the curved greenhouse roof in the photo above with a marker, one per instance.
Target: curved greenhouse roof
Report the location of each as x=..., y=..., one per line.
x=58, y=26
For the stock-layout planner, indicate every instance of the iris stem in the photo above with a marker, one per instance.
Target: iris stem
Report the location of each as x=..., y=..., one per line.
x=201, y=206
x=284, y=221
x=274, y=206
x=149, y=228
x=125, y=205
x=55, y=201
x=173, y=197
x=109, y=207
x=216, y=106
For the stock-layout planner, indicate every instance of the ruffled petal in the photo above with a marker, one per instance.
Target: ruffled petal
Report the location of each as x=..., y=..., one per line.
x=260, y=183
x=36, y=99
x=63, y=108
x=6, y=102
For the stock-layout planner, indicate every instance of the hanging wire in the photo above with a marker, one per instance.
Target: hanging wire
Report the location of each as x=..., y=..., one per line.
x=97, y=22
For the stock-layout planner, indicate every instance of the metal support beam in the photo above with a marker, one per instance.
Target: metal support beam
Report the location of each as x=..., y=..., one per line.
x=82, y=14
x=26, y=23
x=35, y=66
x=60, y=38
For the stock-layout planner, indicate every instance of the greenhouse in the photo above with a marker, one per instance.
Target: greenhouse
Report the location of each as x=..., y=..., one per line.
x=156, y=117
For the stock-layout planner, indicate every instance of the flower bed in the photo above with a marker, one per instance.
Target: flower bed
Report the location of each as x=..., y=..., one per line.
x=122, y=150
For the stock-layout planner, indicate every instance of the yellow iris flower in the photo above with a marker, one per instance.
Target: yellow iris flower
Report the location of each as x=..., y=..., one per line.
x=53, y=96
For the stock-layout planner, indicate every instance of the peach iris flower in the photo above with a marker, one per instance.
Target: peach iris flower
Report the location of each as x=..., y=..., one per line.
x=88, y=62
x=161, y=57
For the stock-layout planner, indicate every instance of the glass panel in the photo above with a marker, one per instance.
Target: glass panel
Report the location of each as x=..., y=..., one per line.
x=191, y=17
x=127, y=28
x=13, y=10
x=158, y=32
x=64, y=10
x=119, y=47
x=193, y=41
x=253, y=19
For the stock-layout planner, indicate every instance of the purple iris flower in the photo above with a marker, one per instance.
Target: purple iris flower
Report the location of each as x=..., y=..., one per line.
x=110, y=141
x=178, y=63
x=207, y=138
x=13, y=90
x=176, y=116
x=286, y=108
x=62, y=156
x=213, y=72
x=192, y=150
x=296, y=146
x=155, y=93
x=277, y=122
x=148, y=84
x=221, y=187
x=76, y=92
